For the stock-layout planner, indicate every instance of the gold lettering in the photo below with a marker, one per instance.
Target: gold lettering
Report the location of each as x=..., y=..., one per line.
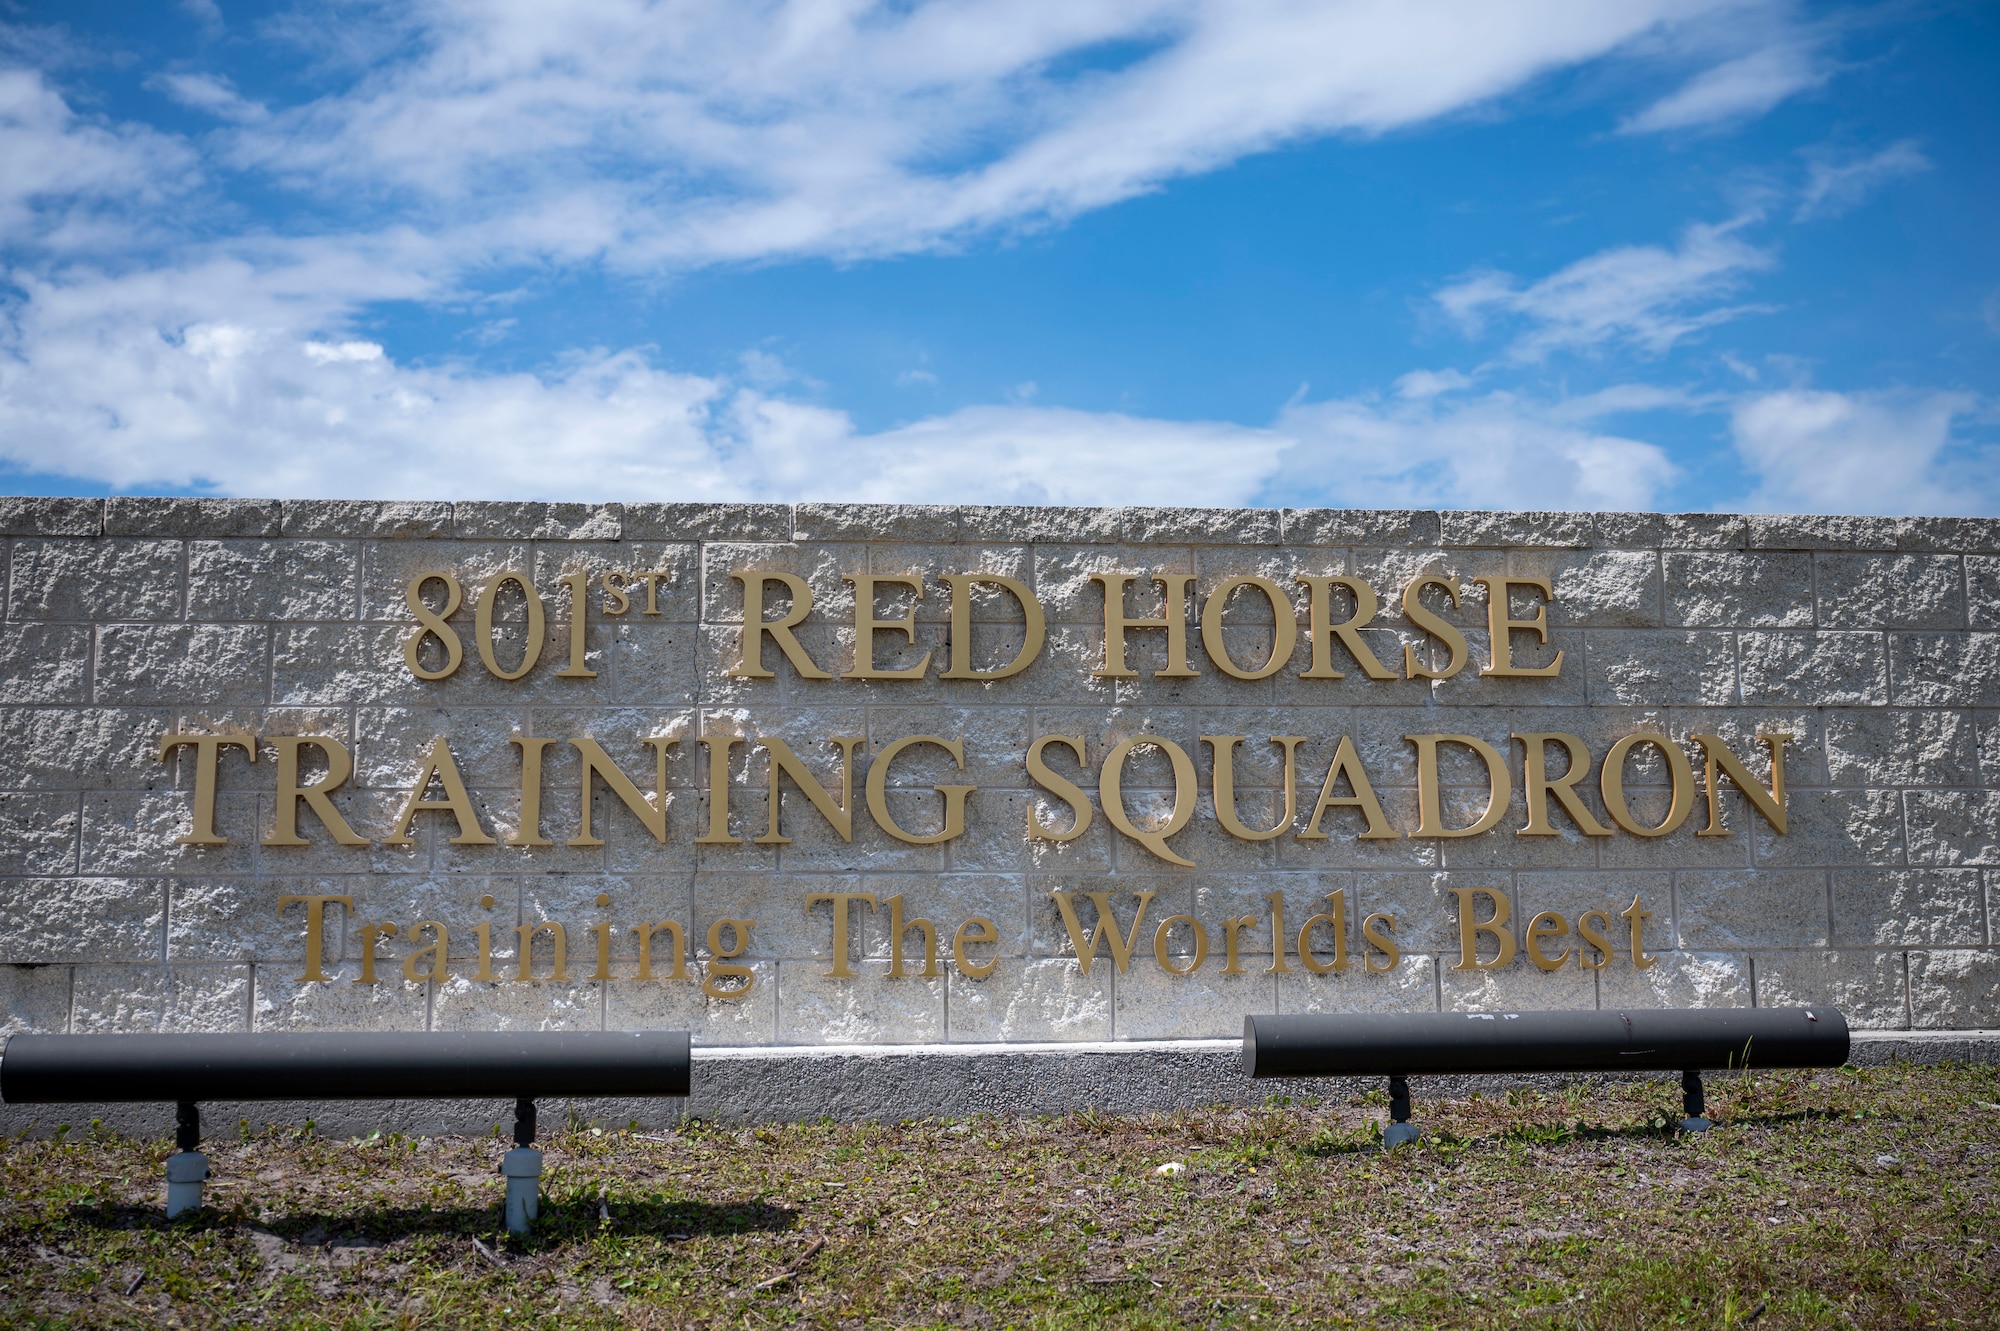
x=653, y=581
x=482, y=623
x=674, y=931
x=529, y=833
x=433, y=624
x=965, y=934
x=1611, y=783
x=315, y=925
x=954, y=796
x=601, y=931
x=1500, y=624
x=1276, y=901
x=653, y=813
x=1380, y=941
x=1068, y=791
x=1538, y=786
x=484, y=930
x=718, y=792
x=1111, y=796
x=721, y=962
x=756, y=627
x=1173, y=619
x=1347, y=762
x=839, y=901
x=1284, y=633
x=1430, y=813
x=579, y=627
x=1034, y=626
x=1337, y=917
x=897, y=927
x=615, y=582
x=1771, y=805
x=1107, y=924
x=1232, y=926
x=1470, y=927
x=207, y=758
x=435, y=950
x=1160, y=953
x=1548, y=924
x=370, y=934
x=1637, y=918
x=1224, y=781
x=1415, y=611
x=866, y=626
x=339, y=766
x=526, y=933
x=838, y=816
x=1324, y=630
x=457, y=802
x=1594, y=936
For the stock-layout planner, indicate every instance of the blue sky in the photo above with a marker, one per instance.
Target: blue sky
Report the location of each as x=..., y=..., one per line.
x=1681, y=254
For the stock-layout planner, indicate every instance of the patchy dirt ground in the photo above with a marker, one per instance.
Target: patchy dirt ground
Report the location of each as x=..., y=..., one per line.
x=1851, y=1198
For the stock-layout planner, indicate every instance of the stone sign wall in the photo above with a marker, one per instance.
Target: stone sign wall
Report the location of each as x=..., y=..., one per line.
x=1039, y=774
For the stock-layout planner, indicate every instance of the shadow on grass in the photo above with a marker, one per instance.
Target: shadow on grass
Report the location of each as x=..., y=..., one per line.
x=558, y=1221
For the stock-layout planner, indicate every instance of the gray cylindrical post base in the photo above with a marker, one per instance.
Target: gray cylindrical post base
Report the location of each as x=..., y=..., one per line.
x=1693, y=1103
x=185, y=1172
x=523, y=1168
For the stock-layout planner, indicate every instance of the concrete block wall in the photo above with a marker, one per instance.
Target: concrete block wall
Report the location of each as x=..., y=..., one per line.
x=1874, y=641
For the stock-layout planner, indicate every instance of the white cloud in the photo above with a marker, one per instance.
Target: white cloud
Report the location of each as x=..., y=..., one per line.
x=210, y=94
x=1737, y=89
x=1833, y=187
x=1645, y=296
x=1864, y=453
x=65, y=178
x=1496, y=451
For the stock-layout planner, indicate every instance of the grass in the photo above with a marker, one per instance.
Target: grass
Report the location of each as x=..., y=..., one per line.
x=1852, y=1198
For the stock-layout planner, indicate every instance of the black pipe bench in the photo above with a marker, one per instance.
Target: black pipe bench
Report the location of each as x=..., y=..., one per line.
x=186, y=1069
x=1402, y=1045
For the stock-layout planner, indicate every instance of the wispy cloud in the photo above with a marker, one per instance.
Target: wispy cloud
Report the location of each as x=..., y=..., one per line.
x=1833, y=186
x=1644, y=296
x=1737, y=89
x=1864, y=453
x=210, y=94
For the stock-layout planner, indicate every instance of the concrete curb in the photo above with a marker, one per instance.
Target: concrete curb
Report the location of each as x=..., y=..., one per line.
x=887, y=1083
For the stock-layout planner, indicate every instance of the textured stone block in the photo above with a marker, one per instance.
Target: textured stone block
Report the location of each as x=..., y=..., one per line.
x=1890, y=591
x=1459, y=527
x=1203, y=526
x=1833, y=828
x=38, y=833
x=1824, y=669
x=191, y=517
x=34, y=999
x=1409, y=986
x=1030, y=1001
x=342, y=1003
x=1867, y=987
x=44, y=663
x=460, y=1004
x=875, y=522
x=677, y=1005
x=140, y=999
x=218, y=664
x=813, y=1009
x=1661, y=668
x=1958, y=534
x=44, y=920
x=273, y=580
x=1758, y=908
x=1677, y=980
x=1518, y=987
x=1953, y=826
x=96, y=580
x=1798, y=531
x=373, y=519
x=1704, y=531
x=1982, y=583
x=1945, y=669
x=706, y=522
x=1601, y=589
x=1207, y=1005
x=1021, y=522
x=1908, y=908
x=1631, y=530
x=81, y=748
x=1731, y=590
x=1956, y=990
x=1901, y=748
x=1360, y=527
x=494, y=520
x=24, y=515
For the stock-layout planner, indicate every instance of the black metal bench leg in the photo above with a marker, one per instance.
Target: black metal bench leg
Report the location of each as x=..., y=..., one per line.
x=523, y=1168
x=1693, y=1103
x=1400, y=1128
x=187, y=1168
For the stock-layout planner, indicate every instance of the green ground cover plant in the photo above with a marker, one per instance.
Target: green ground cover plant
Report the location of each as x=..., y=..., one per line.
x=1855, y=1198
